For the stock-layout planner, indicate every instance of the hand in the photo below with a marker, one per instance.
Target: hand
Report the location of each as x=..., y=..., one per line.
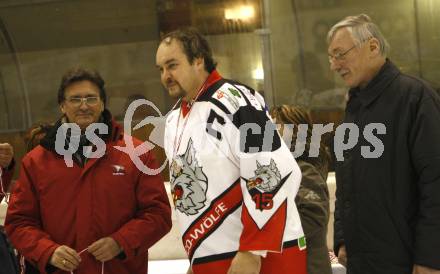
x=245, y=263
x=342, y=255
x=189, y=271
x=104, y=249
x=65, y=258
x=6, y=155
x=418, y=269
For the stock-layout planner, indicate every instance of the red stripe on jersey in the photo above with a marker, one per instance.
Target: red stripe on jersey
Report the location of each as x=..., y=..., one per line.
x=212, y=218
x=269, y=237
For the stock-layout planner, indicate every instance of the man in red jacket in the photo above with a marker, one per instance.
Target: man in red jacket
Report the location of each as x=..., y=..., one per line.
x=97, y=213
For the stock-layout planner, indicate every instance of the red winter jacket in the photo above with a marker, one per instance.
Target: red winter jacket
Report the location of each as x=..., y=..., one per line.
x=53, y=205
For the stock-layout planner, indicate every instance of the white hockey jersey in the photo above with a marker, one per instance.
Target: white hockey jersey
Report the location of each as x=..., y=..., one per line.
x=233, y=179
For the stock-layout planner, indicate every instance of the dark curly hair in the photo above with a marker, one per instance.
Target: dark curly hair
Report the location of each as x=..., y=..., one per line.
x=194, y=46
x=286, y=114
x=35, y=134
x=81, y=74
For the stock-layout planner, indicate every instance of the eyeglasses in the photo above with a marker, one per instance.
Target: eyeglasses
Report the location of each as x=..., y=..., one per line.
x=77, y=101
x=339, y=56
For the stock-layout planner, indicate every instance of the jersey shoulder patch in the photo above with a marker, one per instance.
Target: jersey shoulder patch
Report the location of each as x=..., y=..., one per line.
x=231, y=97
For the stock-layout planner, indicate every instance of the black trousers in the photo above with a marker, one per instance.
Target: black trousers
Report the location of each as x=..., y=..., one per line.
x=8, y=261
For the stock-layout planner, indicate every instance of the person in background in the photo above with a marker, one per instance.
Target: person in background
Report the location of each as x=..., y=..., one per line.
x=7, y=163
x=8, y=262
x=6, y=167
x=387, y=216
x=101, y=214
x=35, y=134
x=312, y=199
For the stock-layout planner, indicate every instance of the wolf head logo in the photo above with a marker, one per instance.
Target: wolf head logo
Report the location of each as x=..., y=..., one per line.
x=266, y=179
x=188, y=182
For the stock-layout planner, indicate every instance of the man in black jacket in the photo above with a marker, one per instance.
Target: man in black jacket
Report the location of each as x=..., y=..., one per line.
x=387, y=217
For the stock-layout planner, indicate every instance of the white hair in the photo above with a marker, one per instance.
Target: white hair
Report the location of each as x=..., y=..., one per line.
x=362, y=29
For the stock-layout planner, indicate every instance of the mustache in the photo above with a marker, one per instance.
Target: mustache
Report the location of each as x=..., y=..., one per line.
x=342, y=73
x=84, y=112
x=171, y=82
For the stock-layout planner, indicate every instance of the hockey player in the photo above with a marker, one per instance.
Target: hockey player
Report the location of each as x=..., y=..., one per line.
x=233, y=180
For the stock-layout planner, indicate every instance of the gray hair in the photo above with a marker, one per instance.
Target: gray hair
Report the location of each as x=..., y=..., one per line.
x=362, y=29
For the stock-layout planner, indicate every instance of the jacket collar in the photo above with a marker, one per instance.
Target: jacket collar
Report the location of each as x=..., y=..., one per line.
x=376, y=86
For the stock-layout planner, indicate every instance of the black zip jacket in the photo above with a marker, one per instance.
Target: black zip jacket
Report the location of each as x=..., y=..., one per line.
x=388, y=208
